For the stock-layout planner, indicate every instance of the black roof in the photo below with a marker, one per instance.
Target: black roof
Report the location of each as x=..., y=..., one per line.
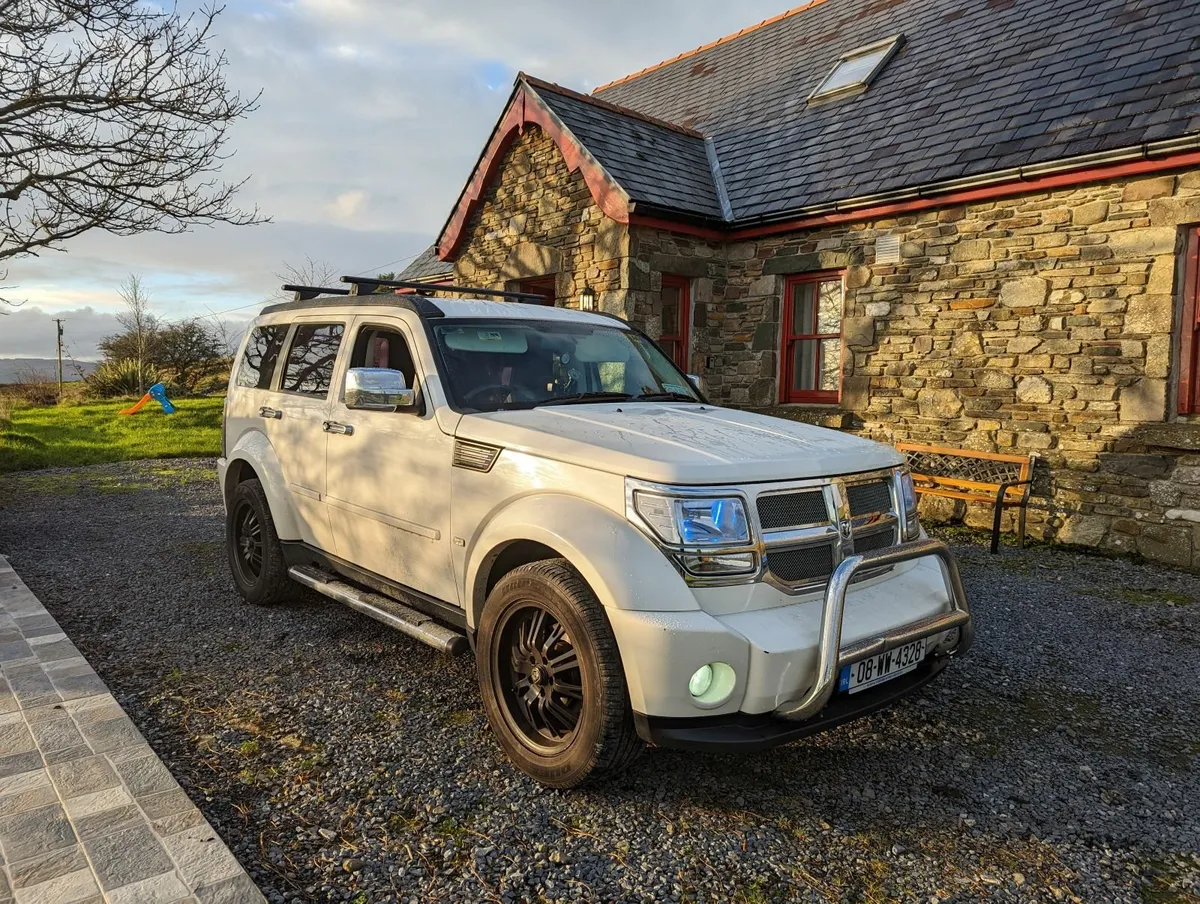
x=427, y=266
x=658, y=164
x=979, y=86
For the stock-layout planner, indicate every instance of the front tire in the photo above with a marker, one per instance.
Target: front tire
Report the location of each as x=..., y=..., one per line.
x=255, y=554
x=551, y=677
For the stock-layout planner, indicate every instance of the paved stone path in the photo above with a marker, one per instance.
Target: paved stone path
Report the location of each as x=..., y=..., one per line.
x=88, y=812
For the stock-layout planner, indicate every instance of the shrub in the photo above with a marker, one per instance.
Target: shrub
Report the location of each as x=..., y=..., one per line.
x=122, y=378
x=36, y=388
x=6, y=409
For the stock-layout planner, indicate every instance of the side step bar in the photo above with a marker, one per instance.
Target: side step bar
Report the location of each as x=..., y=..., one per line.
x=408, y=621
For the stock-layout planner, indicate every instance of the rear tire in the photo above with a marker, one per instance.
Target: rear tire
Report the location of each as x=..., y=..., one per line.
x=551, y=677
x=260, y=572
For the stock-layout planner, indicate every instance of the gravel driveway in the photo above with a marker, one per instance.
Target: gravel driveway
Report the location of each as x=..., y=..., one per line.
x=341, y=762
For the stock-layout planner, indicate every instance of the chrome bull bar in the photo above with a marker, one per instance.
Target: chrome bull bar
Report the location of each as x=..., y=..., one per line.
x=831, y=657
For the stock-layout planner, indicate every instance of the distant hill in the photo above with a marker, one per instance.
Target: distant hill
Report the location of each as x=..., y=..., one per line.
x=12, y=368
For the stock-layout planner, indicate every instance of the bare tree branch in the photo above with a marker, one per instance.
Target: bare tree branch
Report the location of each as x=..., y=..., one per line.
x=113, y=116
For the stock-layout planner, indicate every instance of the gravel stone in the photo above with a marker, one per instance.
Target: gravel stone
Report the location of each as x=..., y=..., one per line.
x=1060, y=761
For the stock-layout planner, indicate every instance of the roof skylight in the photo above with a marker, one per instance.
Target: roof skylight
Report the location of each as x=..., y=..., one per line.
x=854, y=71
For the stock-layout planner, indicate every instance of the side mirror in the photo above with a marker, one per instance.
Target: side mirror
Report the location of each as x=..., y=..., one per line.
x=377, y=389
x=697, y=382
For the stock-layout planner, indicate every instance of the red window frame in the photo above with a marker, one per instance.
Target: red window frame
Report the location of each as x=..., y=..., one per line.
x=1189, y=332
x=790, y=337
x=683, y=328
x=545, y=286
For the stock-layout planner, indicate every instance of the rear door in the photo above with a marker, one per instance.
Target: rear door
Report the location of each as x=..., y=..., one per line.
x=252, y=385
x=297, y=433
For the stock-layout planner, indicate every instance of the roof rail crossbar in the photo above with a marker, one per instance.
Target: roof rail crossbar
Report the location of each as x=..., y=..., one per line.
x=308, y=293
x=362, y=285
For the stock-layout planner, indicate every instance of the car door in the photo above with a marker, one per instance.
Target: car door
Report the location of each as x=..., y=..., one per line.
x=388, y=478
x=297, y=431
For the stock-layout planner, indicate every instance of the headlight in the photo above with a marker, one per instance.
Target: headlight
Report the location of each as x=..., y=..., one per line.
x=694, y=522
x=708, y=536
x=908, y=495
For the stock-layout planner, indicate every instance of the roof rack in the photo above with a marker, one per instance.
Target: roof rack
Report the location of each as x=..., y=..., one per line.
x=362, y=285
x=308, y=293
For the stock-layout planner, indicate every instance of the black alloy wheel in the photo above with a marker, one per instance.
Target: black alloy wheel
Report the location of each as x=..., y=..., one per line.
x=541, y=682
x=247, y=538
x=551, y=677
x=255, y=553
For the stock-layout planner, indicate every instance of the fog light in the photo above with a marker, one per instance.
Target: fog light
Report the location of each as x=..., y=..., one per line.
x=701, y=681
x=712, y=685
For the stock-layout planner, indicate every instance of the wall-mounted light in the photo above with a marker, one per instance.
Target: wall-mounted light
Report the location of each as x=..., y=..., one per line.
x=587, y=299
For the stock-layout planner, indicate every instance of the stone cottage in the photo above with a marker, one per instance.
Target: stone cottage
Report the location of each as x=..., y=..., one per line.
x=975, y=224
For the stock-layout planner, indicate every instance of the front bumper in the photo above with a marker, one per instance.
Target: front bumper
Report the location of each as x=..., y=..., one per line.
x=787, y=658
x=748, y=732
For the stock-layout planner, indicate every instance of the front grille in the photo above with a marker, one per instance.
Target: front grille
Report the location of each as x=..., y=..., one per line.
x=869, y=498
x=792, y=509
x=800, y=566
x=879, y=539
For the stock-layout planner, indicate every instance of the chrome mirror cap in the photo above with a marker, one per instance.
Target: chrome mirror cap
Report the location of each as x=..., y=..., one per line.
x=377, y=389
x=697, y=382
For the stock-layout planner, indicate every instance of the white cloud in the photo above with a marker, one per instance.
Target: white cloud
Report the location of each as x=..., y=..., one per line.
x=372, y=114
x=348, y=205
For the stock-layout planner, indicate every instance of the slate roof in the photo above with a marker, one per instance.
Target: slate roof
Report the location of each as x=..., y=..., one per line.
x=427, y=266
x=657, y=164
x=979, y=87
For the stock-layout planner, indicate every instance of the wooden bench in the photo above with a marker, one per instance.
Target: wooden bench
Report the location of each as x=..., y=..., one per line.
x=999, y=479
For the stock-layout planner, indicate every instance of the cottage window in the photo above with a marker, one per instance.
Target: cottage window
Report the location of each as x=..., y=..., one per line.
x=544, y=286
x=676, y=319
x=1189, y=339
x=812, y=339
x=855, y=70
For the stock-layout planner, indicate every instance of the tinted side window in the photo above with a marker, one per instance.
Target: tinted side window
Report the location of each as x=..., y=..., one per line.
x=311, y=359
x=380, y=347
x=262, y=351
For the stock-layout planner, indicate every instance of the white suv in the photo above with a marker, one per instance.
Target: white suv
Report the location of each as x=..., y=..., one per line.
x=629, y=562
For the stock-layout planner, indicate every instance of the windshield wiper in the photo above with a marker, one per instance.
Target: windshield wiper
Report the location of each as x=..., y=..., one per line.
x=665, y=397
x=583, y=397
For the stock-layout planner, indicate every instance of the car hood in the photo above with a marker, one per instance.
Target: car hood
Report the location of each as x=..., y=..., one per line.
x=679, y=443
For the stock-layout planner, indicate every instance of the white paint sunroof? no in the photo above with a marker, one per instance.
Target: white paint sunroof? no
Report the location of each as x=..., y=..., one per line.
x=854, y=71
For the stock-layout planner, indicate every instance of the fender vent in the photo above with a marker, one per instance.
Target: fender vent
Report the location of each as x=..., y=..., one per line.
x=475, y=456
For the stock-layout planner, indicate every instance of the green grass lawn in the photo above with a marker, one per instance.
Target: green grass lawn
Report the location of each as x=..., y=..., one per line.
x=94, y=433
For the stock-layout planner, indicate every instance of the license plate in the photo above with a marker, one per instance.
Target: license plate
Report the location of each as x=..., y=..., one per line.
x=865, y=673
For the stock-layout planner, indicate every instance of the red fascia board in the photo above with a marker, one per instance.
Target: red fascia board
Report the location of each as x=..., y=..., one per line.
x=1010, y=189
x=526, y=107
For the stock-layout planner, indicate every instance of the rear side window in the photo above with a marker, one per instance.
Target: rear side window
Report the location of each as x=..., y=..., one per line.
x=311, y=359
x=262, y=351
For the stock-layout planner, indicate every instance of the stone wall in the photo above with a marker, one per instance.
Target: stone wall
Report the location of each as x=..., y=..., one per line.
x=1041, y=324
x=539, y=219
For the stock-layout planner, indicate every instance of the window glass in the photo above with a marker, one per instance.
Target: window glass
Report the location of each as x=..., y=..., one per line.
x=501, y=364
x=676, y=301
x=812, y=342
x=262, y=351
x=388, y=349
x=312, y=357
x=852, y=71
x=855, y=70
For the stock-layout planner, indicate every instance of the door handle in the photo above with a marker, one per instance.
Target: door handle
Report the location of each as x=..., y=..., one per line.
x=273, y=414
x=335, y=427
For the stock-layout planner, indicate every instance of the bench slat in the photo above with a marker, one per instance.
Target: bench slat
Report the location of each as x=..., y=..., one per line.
x=989, y=498
x=987, y=489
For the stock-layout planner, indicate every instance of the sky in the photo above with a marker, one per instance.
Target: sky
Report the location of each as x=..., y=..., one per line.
x=372, y=114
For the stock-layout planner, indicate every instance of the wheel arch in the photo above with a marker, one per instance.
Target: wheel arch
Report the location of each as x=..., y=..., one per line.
x=619, y=563
x=253, y=458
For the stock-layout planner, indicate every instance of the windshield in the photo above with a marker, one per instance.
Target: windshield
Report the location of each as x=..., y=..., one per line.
x=493, y=365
